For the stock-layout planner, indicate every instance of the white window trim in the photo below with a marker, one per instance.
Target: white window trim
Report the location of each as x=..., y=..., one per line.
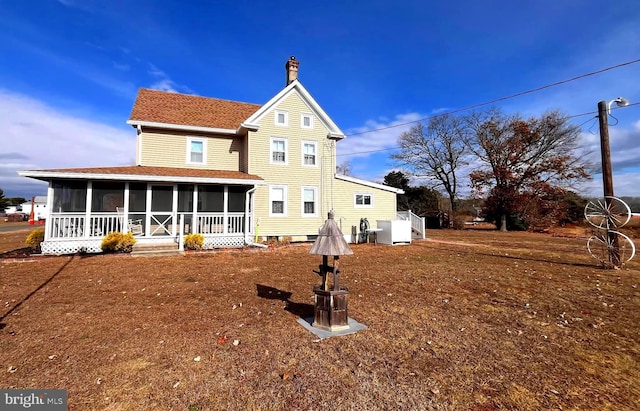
x=315, y=143
x=286, y=151
x=204, y=150
x=303, y=116
x=315, y=201
x=286, y=118
x=363, y=193
x=285, y=193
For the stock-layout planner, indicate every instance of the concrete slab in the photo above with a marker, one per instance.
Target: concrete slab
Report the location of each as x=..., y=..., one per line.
x=354, y=327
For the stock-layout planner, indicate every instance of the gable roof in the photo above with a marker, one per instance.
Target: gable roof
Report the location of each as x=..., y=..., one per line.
x=146, y=173
x=161, y=108
x=295, y=87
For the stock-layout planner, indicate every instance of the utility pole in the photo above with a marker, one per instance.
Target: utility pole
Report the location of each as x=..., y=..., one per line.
x=607, y=181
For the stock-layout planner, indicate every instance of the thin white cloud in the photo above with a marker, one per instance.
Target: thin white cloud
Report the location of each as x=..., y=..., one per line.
x=164, y=82
x=121, y=66
x=37, y=136
x=84, y=5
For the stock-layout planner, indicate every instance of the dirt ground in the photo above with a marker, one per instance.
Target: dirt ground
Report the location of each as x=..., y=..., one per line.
x=471, y=319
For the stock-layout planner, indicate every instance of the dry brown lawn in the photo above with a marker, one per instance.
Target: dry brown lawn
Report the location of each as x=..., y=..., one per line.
x=467, y=320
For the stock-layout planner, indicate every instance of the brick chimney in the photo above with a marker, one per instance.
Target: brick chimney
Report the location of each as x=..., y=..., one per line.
x=292, y=69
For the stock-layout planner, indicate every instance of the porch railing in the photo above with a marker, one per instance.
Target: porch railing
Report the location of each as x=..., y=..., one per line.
x=214, y=223
x=74, y=225
x=102, y=223
x=417, y=223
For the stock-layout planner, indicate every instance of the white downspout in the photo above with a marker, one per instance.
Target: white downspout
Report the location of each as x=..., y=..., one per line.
x=247, y=239
x=139, y=145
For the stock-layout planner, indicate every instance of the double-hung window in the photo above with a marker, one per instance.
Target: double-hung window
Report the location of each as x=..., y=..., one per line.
x=278, y=150
x=278, y=201
x=309, y=153
x=363, y=200
x=196, y=148
x=309, y=201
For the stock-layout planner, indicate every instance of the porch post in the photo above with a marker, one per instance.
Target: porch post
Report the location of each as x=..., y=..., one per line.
x=174, y=211
x=87, y=211
x=181, y=237
x=225, y=210
x=48, y=223
x=125, y=209
x=195, y=227
x=147, y=212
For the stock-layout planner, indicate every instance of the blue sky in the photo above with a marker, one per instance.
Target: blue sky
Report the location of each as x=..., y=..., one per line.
x=70, y=70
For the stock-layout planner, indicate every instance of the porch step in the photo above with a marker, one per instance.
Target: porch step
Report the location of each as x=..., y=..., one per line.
x=155, y=250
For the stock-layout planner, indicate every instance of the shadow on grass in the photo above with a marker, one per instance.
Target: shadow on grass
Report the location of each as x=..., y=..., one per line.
x=22, y=301
x=23, y=252
x=302, y=310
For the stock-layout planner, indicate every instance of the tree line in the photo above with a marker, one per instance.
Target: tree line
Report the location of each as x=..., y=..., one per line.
x=525, y=170
x=9, y=201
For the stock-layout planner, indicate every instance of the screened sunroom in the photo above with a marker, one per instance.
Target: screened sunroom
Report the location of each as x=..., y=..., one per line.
x=83, y=211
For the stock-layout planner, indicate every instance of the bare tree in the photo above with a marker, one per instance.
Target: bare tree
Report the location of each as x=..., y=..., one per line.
x=344, y=168
x=524, y=160
x=437, y=152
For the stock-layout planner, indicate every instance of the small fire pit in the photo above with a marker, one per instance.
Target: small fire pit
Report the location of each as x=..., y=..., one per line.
x=330, y=308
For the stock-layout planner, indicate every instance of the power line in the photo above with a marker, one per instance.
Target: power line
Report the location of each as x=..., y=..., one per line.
x=566, y=118
x=534, y=90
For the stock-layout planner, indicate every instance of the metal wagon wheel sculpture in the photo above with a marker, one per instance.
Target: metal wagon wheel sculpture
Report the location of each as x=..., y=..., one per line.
x=608, y=213
x=606, y=244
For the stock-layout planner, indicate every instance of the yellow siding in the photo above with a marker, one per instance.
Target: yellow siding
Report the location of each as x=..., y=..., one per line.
x=165, y=149
x=384, y=205
x=294, y=175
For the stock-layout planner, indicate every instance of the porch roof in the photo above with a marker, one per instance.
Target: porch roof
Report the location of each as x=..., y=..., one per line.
x=145, y=173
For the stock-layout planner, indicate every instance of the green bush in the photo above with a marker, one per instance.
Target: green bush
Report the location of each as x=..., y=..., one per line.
x=193, y=241
x=116, y=242
x=35, y=238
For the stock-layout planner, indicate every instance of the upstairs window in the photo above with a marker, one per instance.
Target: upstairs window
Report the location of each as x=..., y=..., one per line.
x=196, y=150
x=306, y=120
x=281, y=118
x=363, y=200
x=278, y=151
x=309, y=150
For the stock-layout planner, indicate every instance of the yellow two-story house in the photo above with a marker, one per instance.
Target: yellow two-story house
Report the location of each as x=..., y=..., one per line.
x=238, y=173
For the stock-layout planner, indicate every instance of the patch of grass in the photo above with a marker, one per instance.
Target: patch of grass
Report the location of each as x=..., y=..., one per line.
x=468, y=319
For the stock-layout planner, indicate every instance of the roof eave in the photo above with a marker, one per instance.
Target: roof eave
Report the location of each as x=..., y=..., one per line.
x=247, y=126
x=369, y=183
x=47, y=175
x=214, y=130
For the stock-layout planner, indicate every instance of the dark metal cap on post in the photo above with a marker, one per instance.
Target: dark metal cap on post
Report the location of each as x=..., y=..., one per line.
x=330, y=240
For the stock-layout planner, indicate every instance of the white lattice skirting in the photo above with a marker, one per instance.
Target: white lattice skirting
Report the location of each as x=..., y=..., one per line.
x=71, y=246
x=223, y=242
